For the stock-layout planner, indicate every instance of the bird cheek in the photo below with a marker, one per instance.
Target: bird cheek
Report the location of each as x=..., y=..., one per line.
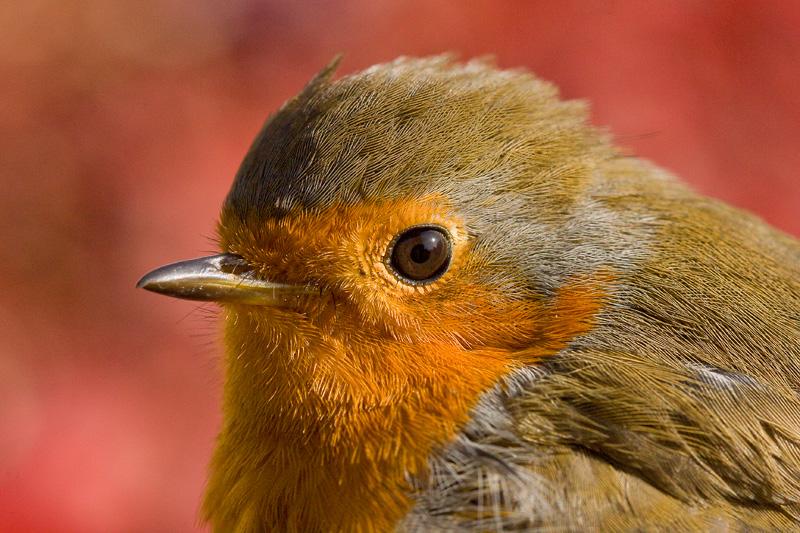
x=475, y=316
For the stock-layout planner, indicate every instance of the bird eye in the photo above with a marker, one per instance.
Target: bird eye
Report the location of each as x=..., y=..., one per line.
x=420, y=254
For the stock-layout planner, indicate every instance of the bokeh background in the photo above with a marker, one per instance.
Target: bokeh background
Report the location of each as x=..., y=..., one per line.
x=123, y=122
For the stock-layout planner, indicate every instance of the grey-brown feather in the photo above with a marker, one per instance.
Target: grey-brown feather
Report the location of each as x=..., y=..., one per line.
x=564, y=450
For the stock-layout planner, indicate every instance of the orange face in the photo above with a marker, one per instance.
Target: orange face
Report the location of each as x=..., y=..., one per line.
x=368, y=338
x=359, y=338
x=371, y=335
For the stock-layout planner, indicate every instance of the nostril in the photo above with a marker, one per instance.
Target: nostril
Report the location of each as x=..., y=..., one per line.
x=234, y=264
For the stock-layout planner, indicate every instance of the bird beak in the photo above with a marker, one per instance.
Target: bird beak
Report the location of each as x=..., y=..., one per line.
x=219, y=278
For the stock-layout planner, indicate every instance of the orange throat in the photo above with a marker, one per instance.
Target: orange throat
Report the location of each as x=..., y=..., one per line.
x=318, y=436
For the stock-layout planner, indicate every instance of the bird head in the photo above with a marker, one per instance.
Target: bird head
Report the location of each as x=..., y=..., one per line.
x=394, y=244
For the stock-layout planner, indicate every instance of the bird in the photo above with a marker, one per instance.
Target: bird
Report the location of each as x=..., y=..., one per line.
x=452, y=304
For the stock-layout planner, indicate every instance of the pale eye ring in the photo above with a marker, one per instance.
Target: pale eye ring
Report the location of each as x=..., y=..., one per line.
x=420, y=254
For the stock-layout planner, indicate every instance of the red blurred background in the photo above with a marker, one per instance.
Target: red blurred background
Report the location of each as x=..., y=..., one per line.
x=123, y=124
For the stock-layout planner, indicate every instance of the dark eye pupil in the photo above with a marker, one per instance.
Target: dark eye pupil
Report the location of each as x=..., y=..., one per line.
x=420, y=254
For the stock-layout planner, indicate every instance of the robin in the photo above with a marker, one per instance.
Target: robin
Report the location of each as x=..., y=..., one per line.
x=450, y=304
